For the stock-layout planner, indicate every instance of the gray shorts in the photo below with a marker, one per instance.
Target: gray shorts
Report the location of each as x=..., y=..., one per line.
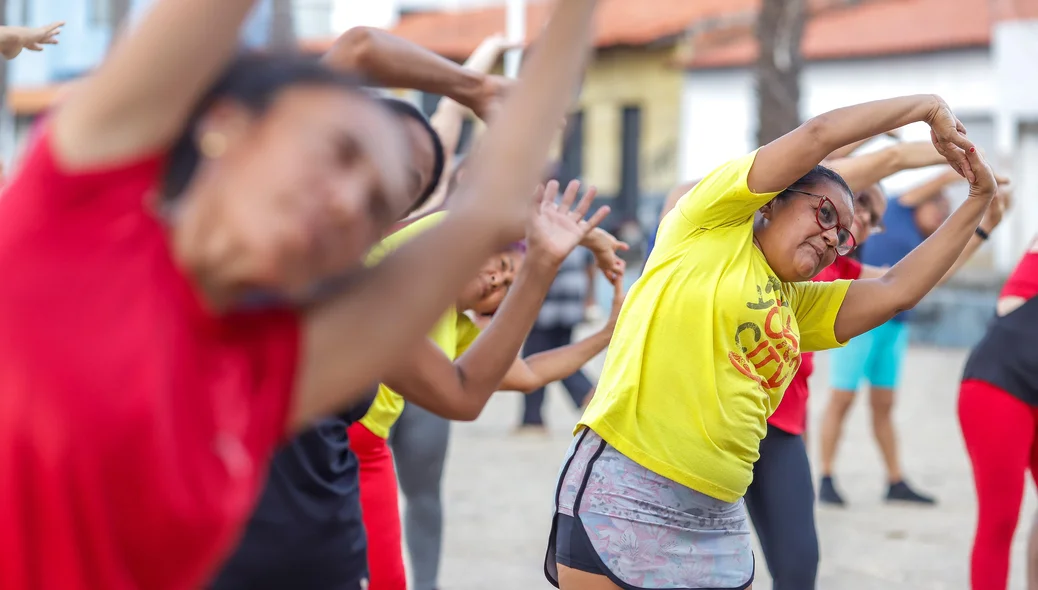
x=642, y=530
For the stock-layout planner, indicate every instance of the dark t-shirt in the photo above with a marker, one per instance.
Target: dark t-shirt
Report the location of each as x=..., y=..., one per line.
x=1006, y=356
x=306, y=531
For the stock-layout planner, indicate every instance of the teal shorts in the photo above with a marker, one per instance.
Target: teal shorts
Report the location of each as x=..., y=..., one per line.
x=875, y=357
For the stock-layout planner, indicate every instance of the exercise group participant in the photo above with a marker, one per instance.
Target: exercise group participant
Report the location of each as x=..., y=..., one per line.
x=707, y=341
x=780, y=499
x=133, y=461
x=998, y=413
x=479, y=370
x=877, y=356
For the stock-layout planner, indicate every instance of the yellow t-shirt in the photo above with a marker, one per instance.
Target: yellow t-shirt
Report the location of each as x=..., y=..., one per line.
x=707, y=342
x=453, y=333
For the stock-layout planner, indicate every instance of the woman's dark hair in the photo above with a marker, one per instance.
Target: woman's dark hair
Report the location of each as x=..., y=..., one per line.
x=818, y=175
x=254, y=81
x=406, y=109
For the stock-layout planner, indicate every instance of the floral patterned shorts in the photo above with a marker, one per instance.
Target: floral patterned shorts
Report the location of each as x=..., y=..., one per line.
x=641, y=529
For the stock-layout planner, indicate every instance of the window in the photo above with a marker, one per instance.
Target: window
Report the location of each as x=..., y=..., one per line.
x=571, y=165
x=630, y=149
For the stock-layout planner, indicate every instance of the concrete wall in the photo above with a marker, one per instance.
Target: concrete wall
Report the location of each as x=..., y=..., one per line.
x=633, y=77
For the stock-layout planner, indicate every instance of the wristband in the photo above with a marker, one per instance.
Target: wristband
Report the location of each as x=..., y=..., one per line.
x=982, y=234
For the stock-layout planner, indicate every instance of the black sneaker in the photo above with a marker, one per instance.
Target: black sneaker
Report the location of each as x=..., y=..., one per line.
x=901, y=492
x=827, y=493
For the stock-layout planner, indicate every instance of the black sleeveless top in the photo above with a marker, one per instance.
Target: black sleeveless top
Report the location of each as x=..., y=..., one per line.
x=1007, y=356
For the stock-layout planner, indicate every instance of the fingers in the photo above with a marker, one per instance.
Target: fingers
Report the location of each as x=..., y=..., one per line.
x=984, y=178
x=598, y=217
x=622, y=246
x=550, y=193
x=570, y=196
x=586, y=201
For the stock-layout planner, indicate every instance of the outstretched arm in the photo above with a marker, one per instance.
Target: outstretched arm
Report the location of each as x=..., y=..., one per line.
x=993, y=217
x=391, y=61
x=546, y=367
x=870, y=302
x=865, y=170
x=139, y=99
x=460, y=390
x=449, y=117
x=783, y=161
x=353, y=340
x=14, y=39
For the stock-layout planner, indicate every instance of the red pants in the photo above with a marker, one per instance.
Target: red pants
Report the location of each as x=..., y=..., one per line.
x=1000, y=437
x=380, y=509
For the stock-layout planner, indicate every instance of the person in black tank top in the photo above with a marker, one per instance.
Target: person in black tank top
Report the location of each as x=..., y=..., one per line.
x=998, y=413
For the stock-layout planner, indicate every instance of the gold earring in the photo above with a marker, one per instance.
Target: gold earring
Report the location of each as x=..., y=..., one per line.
x=212, y=145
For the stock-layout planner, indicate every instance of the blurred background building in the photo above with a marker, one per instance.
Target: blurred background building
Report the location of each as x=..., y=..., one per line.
x=673, y=88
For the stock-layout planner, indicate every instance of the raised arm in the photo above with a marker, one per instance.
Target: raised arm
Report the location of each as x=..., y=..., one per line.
x=783, y=161
x=391, y=61
x=139, y=99
x=488, y=211
x=14, y=39
x=449, y=117
x=870, y=302
x=992, y=219
x=459, y=391
x=865, y=170
x=546, y=367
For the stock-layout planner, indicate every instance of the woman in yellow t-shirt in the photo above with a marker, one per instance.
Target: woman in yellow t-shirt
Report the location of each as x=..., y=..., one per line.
x=650, y=495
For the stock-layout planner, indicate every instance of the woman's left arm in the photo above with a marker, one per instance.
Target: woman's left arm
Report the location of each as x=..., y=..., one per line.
x=870, y=302
x=397, y=63
x=538, y=370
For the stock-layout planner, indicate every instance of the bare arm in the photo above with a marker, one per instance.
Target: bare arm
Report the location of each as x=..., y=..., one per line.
x=489, y=210
x=546, y=367
x=992, y=219
x=847, y=150
x=865, y=170
x=450, y=116
x=460, y=390
x=783, y=161
x=870, y=302
x=391, y=61
x=139, y=99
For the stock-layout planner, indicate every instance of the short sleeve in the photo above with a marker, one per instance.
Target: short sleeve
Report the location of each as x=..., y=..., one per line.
x=723, y=197
x=467, y=333
x=1024, y=280
x=815, y=306
x=42, y=178
x=402, y=236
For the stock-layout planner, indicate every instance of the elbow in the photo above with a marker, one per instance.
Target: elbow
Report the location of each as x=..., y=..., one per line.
x=901, y=296
x=465, y=413
x=819, y=131
x=355, y=49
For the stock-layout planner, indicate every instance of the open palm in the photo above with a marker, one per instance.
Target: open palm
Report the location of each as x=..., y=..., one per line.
x=555, y=229
x=35, y=38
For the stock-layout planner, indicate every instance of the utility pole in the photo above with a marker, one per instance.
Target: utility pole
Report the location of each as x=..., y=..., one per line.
x=780, y=28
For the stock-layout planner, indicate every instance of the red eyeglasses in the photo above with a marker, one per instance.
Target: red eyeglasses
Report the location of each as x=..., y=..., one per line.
x=827, y=218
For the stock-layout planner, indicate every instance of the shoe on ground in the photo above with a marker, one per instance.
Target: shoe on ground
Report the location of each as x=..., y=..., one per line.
x=902, y=492
x=827, y=493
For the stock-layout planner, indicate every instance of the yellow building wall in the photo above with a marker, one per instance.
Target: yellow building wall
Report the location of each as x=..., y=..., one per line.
x=620, y=78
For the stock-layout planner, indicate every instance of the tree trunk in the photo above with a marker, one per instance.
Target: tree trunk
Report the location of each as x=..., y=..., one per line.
x=780, y=27
x=3, y=72
x=118, y=12
x=282, y=27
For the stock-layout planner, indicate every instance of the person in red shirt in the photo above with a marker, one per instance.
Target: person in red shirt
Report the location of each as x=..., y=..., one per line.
x=998, y=414
x=140, y=394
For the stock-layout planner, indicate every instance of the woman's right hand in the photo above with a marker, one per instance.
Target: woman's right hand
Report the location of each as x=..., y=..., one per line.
x=984, y=185
x=949, y=137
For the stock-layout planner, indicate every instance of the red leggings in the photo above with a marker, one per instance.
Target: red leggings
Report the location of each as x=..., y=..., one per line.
x=380, y=509
x=1000, y=437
